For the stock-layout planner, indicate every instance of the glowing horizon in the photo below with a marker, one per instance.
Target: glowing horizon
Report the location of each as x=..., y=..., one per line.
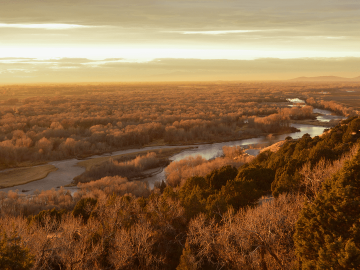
x=149, y=54
x=50, y=26
x=145, y=32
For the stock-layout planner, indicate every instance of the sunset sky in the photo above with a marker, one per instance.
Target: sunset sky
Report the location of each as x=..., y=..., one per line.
x=145, y=40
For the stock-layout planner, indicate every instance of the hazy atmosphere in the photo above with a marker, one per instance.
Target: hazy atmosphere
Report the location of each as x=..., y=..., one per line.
x=90, y=41
x=187, y=135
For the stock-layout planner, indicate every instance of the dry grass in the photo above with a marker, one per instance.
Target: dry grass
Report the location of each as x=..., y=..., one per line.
x=160, y=153
x=21, y=165
x=274, y=147
x=22, y=176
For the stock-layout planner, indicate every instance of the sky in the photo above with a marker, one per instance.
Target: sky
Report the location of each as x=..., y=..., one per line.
x=172, y=40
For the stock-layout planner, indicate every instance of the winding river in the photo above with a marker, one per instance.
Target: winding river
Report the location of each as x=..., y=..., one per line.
x=67, y=169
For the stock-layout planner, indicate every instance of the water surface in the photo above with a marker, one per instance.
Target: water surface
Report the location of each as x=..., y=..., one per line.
x=67, y=169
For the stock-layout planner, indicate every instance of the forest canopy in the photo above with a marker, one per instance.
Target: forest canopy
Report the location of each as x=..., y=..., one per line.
x=233, y=212
x=42, y=123
x=223, y=219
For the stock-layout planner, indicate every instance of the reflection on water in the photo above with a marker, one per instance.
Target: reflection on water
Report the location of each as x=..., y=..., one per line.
x=68, y=169
x=326, y=116
x=295, y=100
x=209, y=151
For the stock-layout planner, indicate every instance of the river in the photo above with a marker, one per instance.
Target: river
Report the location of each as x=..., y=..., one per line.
x=67, y=169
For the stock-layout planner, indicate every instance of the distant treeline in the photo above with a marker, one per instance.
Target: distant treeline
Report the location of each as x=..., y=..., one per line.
x=333, y=106
x=43, y=128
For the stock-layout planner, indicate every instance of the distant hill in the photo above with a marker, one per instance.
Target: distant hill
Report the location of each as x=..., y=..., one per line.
x=326, y=79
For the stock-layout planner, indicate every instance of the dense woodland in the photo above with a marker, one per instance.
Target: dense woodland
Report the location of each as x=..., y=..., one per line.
x=296, y=208
x=215, y=221
x=54, y=122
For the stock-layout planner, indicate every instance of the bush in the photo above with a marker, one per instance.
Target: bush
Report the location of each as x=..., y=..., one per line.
x=219, y=177
x=327, y=232
x=84, y=207
x=263, y=177
x=42, y=218
x=13, y=254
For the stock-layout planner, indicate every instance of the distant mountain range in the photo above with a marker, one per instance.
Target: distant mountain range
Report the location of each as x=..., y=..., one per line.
x=326, y=79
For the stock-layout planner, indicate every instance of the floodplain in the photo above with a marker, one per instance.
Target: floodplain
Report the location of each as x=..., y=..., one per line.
x=106, y=138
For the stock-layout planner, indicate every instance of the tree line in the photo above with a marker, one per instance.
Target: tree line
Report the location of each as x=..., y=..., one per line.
x=54, y=127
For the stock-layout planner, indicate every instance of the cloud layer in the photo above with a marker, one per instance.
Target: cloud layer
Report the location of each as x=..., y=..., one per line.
x=146, y=30
x=117, y=70
x=189, y=14
x=49, y=26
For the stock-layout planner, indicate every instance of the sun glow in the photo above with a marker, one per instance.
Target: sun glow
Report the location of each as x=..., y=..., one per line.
x=149, y=54
x=219, y=32
x=49, y=26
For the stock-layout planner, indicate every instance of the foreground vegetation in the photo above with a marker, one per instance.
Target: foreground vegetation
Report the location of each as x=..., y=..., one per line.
x=213, y=221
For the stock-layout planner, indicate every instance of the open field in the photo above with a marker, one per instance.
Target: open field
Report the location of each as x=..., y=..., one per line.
x=25, y=164
x=21, y=176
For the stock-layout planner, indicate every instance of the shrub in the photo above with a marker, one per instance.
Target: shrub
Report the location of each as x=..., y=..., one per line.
x=13, y=254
